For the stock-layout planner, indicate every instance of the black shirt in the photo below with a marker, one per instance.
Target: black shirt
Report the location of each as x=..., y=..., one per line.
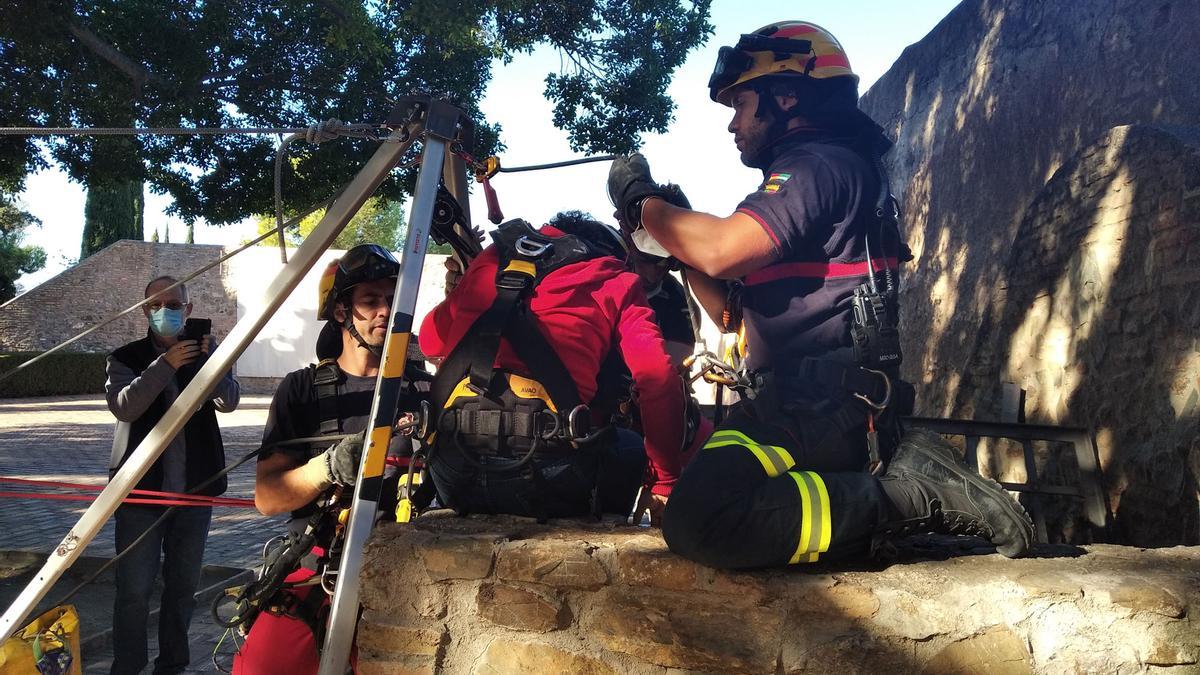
x=295, y=413
x=816, y=203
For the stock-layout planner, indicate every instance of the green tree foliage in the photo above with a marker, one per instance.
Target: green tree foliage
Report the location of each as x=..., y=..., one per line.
x=379, y=221
x=114, y=210
x=16, y=259
x=285, y=63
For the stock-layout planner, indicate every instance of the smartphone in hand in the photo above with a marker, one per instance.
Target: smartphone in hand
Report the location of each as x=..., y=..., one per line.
x=196, y=329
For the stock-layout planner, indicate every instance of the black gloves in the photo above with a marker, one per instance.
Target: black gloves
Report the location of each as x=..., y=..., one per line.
x=342, y=460
x=630, y=183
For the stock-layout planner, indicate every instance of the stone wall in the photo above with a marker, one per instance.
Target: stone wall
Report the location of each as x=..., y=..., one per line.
x=1053, y=244
x=985, y=109
x=1100, y=322
x=506, y=596
x=106, y=283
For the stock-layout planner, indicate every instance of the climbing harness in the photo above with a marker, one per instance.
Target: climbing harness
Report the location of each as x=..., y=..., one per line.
x=498, y=420
x=436, y=125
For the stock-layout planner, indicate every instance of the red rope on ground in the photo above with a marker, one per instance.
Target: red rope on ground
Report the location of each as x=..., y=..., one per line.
x=208, y=501
x=164, y=498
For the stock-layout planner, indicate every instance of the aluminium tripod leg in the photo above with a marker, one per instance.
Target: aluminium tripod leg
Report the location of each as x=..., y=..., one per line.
x=190, y=399
x=343, y=614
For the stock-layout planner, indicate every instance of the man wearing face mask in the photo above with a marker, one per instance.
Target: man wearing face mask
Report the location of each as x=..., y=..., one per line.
x=144, y=379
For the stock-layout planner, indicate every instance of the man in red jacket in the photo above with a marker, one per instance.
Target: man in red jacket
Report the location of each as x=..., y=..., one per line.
x=526, y=342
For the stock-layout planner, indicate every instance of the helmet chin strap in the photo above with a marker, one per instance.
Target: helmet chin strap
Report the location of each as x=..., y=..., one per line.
x=377, y=350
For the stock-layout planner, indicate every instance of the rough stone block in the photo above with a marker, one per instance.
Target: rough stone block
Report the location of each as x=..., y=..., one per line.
x=504, y=657
x=648, y=562
x=457, y=556
x=559, y=563
x=681, y=630
x=369, y=664
x=376, y=634
x=997, y=651
x=521, y=608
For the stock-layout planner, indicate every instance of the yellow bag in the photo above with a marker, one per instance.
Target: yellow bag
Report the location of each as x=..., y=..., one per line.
x=49, y=645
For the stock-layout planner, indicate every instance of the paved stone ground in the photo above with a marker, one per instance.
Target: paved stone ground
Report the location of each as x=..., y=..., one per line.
x=69, y=439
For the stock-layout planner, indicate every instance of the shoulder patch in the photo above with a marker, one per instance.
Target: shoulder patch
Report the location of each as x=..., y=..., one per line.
x=775, y=181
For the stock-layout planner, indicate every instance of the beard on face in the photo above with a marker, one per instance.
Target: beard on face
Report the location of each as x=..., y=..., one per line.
x=755, y=136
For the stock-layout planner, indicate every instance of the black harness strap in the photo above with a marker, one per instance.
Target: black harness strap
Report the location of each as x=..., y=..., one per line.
x=326, y=376
x=526, y=257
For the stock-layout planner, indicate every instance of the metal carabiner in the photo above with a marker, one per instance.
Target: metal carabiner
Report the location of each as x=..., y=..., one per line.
x=573, y=429
x=887, y=392
x=531, y=249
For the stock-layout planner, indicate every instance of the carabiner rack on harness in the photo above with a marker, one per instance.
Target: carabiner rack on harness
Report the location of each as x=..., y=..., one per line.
x=716, y=371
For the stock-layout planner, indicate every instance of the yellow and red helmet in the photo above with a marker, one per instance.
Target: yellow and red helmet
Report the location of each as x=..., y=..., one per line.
x=785, y=47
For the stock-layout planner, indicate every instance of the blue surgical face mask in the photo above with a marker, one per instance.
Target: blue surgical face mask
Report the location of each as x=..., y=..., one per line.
x=166, y=322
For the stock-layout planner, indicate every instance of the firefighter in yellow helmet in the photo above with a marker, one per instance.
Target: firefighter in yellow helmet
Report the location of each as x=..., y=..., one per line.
x=815, y=465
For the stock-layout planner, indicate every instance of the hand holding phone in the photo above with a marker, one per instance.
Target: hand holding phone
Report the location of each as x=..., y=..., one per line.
x=196, y=329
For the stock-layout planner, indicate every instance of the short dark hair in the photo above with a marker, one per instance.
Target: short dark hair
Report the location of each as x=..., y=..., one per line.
x=168, y=278
x=584, y=226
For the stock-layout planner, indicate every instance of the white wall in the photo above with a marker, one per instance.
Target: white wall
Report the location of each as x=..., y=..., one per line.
x=288, y=341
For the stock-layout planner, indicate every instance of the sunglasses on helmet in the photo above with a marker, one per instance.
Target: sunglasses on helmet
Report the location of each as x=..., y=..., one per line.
x=733, y=61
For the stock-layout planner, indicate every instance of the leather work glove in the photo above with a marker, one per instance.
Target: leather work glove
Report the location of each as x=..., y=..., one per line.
x=630, y=184
x=342, y=460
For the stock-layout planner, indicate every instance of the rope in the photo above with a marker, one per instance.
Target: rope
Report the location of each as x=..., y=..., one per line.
x=157, y=131
x=183, y=498
x=555, y=165
x=171, y=509
x=149, y=501
x=140, y=303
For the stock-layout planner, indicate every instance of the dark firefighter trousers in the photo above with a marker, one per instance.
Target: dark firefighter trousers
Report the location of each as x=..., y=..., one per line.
x=782, y=481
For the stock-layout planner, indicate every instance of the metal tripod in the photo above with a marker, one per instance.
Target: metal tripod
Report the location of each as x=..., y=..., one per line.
x=436, y=125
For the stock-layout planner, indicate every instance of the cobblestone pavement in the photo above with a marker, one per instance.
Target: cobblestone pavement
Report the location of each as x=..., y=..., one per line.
x=69, y=439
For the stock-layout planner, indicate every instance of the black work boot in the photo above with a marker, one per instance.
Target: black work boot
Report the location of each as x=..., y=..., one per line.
x=932, y=492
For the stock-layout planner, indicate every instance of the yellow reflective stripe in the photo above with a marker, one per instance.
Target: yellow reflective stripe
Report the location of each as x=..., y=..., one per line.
x=774, y=459
x=805, y=521
x=827, y=519
x=816, y=527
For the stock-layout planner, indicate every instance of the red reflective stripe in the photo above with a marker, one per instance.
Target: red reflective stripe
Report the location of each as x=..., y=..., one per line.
x=766, y=228
x=830, y=60
x=816, y=270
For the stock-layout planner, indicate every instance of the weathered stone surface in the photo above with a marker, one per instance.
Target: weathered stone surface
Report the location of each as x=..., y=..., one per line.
x=648, y=562
x=377, y=634
x=369, y=664
x=680, y=630
x=504, y=657
x=565, y=564
x=458, y=556
x=521, y=608
x=997, y=651
x=1052, y=243
x=1101, y=608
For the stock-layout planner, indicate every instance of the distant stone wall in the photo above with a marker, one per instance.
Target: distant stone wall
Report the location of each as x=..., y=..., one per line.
x=1100, y=322
x=106, y=283
x=485, y=596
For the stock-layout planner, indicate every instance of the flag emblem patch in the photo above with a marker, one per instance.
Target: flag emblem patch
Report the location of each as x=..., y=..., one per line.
x=775, y=181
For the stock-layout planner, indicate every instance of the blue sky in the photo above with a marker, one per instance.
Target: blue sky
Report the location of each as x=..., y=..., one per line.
x=696, y=152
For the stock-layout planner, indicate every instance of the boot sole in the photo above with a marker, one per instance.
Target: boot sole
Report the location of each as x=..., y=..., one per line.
x=949, y=459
